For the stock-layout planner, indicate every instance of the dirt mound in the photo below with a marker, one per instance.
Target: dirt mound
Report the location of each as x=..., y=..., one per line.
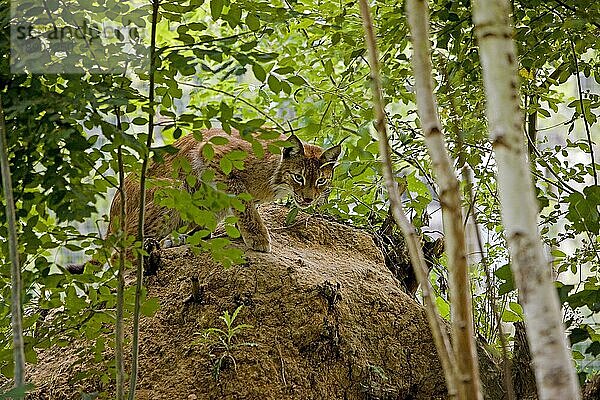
x=328, y=320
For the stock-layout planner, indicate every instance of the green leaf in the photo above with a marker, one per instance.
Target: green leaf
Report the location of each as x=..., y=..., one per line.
x=563, y=291
x=287, y=89
x=149, y=307
x=593, y=349
x=253, y=22
x=219, y=140
x=509, y=316
x=258, y=149
x=335, y=38
x=216, y=8
x=291, y=216
x=226, y=165
x=196, y=26
x=297, y=80
x=274, y=84
x=504, y=272
x=232, y=231
x=208, y=152
x=139, y=121
x=234, y=15
x=443, y=307
x=248, y=45
x=226, y=112
x=237, y=155
x=578, y=335
x=516, y=308
x=259, y=72
x=284, y=70
x=583, y=210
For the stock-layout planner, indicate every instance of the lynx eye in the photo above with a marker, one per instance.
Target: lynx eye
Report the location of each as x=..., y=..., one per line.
x=321, y=181
x=298, y=178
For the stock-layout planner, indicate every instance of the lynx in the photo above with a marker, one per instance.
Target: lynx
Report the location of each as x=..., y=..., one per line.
x=302, y=170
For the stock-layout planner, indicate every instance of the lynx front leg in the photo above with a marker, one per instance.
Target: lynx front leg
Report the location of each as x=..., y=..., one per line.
x=250, y=224
x=253, y=229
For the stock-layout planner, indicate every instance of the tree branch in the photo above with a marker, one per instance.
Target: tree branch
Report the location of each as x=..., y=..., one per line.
x=142, y=205
x=585, y=121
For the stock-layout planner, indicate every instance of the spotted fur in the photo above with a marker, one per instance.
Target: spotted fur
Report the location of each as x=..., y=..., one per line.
x=303, y=171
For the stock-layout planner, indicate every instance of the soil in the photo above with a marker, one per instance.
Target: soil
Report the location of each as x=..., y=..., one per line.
x=328, y=321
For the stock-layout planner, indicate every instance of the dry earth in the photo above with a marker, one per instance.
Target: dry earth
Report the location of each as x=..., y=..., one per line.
x=329, y=321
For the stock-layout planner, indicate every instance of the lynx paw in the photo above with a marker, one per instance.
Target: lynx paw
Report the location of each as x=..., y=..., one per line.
x=172, y=241
x=151, y=244
x=152, y=261
x=259, y=243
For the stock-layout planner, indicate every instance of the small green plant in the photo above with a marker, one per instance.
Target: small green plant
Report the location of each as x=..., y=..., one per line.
x=222, y=342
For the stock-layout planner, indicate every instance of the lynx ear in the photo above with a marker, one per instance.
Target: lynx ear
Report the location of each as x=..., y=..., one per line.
x=330, y=155
x=296, y=148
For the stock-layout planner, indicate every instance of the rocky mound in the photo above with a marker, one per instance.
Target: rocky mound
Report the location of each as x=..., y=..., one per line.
x=328, y=321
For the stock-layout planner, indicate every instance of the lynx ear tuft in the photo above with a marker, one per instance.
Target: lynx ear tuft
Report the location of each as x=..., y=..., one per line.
x=330, y=155
x=295, y=147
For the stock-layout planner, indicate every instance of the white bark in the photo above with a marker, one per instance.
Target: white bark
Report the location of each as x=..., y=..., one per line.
x=440, y=337
x=467, y=367
x=554, y=371
x=15, y=270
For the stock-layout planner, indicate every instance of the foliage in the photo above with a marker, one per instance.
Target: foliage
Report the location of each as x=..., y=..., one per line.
x=297, y=65
x=223, y=343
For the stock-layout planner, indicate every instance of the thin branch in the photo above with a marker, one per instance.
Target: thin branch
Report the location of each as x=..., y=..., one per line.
x=585, y=121
x=119, y=335
x=236, y=97
x=91, y=164
x=560, y=182
x=577, y=12
x=142, y=205
x=213, y=40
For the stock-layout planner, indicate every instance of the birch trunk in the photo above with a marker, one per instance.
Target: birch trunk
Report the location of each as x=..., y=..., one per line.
x=554, y=371
x=15, y=271
x=467, y=367
x=413, y=242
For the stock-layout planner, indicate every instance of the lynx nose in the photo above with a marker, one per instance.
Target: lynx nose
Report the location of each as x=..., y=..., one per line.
x=307, y=200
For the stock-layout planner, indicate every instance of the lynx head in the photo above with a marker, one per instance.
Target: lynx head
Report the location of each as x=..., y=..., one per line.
x=306, y=171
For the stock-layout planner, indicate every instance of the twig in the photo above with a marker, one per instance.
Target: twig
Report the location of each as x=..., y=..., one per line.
x=119, y=336
x=213, y=40
x=246, y=102
x=585, y=121
x=142, y=205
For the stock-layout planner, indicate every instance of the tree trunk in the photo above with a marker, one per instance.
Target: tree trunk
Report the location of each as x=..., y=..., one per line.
x=15, y=272
x=554, y=372
x=440, y=336
x=468, y=384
